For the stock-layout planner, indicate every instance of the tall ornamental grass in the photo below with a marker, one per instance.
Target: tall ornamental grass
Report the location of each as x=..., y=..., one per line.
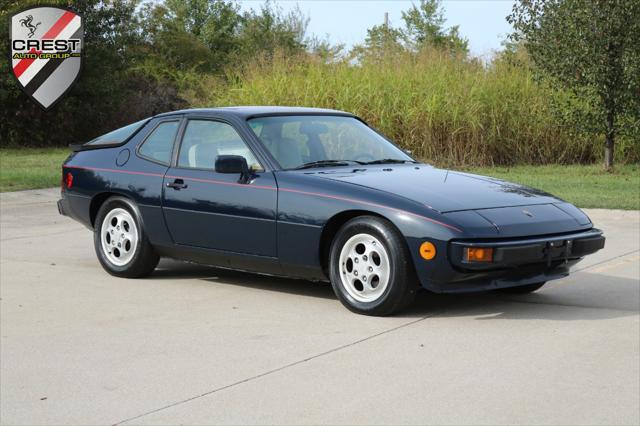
x=447, y=110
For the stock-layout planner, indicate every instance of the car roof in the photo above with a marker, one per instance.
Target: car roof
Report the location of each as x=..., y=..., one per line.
x=246, y=112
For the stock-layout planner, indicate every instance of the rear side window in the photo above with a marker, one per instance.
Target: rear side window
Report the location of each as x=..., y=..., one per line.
x=159, y=144
x=119, y=135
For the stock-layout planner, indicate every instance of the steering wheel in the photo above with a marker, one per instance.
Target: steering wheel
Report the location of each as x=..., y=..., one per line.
x=364, y=157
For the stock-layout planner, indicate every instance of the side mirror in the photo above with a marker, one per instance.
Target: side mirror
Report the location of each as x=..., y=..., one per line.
x=233, y=164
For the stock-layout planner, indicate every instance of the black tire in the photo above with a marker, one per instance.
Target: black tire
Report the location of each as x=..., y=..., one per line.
x=144, y=259
x=522, y=289
x=401, y=286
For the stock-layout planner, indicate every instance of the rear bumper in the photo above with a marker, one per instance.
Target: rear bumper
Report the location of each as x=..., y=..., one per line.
x=517, y=262
x=61, y=208
x=76, y=207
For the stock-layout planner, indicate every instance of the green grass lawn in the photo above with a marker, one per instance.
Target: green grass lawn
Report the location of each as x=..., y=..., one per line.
x=31, y=168
x=585, y=186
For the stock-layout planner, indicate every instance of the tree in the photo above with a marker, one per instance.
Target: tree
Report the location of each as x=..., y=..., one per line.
x=269, y=30
x=324, y=49
x=382, y=39
x=195, y=35
x=424, y=25
x=591, y=48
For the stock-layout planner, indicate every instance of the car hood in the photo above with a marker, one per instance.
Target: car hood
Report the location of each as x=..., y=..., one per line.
x=439, y=189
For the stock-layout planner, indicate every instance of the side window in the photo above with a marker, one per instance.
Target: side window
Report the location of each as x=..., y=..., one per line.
x=204, y=140
x=159, y=143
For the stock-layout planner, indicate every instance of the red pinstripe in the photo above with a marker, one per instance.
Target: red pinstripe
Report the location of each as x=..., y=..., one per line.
x=99, y=169
x=368, y=203
x=221, y=182
x=273, y=188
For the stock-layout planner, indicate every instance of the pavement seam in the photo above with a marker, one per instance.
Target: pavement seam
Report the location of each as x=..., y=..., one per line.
x=605, y=261
x=586, y=268
x=26, y=237
x=35, y=203
x=275, y=370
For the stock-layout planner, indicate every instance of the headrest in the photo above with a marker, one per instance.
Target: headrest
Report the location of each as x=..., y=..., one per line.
x=308, y=128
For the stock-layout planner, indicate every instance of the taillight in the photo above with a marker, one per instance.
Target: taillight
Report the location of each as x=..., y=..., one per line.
x=68, y=180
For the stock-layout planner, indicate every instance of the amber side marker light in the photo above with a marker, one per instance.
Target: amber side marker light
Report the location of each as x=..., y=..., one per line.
x=427, y=250
x=478, y=254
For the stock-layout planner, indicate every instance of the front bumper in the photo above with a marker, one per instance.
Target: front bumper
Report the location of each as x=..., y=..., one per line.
x=517, y=252
x=517, y=261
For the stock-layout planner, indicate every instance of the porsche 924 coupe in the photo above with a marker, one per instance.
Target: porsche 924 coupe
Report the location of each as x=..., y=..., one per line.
x=315, y=194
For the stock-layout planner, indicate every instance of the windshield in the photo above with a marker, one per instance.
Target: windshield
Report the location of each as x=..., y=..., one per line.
x=320, y=140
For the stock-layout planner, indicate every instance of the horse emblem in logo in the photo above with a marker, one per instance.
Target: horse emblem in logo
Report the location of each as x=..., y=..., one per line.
x=46, y=52
x=28, y=22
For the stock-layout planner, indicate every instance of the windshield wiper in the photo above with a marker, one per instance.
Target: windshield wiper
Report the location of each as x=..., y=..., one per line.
x=326, y=163
x=389, y=161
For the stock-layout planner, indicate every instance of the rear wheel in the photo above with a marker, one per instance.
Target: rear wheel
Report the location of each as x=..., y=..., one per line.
x=523, y=289
x=120, y=241
x=370, y=267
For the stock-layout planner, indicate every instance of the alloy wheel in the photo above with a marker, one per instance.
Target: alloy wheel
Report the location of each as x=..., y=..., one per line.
x=119, y=236
x=364, y=268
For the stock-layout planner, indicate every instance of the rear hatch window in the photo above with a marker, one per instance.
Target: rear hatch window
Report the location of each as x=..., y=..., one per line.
x=118, y=136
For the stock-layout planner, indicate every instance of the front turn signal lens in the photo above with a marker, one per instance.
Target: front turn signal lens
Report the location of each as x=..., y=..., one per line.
x=427, y=250
x=478, y=254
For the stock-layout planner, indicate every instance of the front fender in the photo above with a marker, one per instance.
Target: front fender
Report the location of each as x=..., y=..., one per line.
x=306, y=204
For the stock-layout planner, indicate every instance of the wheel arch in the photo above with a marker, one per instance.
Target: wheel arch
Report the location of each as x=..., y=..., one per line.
x=335, y=222
x=99, y=199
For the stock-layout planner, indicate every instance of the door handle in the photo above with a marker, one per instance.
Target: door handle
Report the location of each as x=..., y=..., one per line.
x=177, y=184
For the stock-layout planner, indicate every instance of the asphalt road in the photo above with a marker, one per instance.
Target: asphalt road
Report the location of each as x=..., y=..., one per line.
x=198, y=345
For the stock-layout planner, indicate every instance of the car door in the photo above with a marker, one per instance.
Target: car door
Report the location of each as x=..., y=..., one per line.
x=212, y=210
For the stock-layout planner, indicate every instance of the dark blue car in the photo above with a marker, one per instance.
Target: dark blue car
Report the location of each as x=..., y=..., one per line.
x=314, y=194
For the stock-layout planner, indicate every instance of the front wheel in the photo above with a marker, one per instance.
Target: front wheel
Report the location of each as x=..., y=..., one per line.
x=370, y=267
x=120, y=241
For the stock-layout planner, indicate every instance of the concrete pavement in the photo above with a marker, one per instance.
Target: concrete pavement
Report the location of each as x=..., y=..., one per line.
x=199, y=345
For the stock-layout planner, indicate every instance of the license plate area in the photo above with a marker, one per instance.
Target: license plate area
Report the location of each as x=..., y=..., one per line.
x=557, y=250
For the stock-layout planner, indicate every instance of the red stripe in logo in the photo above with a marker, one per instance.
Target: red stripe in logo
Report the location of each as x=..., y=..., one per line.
x=59, y=25
x=23, y=64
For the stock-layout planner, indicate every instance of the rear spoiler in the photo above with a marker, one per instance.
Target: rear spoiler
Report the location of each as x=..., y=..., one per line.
x=77, y=147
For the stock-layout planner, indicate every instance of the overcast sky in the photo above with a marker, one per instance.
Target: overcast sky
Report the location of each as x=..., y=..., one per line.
x=346, y=21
